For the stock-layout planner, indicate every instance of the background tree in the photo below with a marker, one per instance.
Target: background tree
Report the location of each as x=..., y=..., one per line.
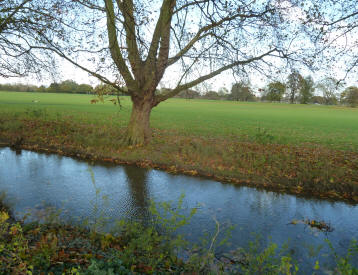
x=68, y=86
x=294, y=85
x=223, y=93
x=147, y=40
x=307, y=90
x=189, y=94
x=274, y=91
x=85, y=89
x=241, y=92
x=18, y=87
x=350, y=96
x=213, y=95
x=54, y=87
x=329, y=87
x=318, y=100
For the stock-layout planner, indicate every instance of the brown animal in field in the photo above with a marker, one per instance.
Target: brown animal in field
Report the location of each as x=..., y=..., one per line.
x=94, y=101
x=114, y=101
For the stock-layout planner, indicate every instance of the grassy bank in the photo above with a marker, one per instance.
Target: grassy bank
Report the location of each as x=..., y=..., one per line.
x=294, y=148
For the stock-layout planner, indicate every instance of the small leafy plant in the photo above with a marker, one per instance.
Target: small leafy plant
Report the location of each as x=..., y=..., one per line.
x=263, y=136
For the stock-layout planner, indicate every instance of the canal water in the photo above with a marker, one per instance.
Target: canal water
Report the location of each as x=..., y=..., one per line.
x=33, y=182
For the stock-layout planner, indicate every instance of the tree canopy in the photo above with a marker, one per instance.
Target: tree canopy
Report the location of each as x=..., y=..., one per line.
x=241, y=92
x=295, y=83
x=274, y=91
x=329, y=87
x=307, y=90
x=350, y=96
x=22, y=23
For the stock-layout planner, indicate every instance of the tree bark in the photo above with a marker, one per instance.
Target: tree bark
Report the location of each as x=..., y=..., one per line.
x=138, y=131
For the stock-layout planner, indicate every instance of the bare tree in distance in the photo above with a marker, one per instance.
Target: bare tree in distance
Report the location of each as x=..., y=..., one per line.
x=135, y=44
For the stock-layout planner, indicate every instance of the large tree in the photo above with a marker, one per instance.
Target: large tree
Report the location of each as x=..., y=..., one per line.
x=135, y=43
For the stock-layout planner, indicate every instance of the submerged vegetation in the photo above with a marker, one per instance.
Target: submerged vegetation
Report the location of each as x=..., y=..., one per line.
x=312, y=151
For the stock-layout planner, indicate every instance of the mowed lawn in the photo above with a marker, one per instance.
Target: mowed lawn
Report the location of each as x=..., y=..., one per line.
x=332, y=126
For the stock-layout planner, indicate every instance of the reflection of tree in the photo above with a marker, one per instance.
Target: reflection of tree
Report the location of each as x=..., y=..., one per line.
x=261, y=208
x=138, y=191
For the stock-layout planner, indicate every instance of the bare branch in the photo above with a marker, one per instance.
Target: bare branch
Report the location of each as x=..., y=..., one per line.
x=13, y=13
x=178, y=89
x=203, y=32
x=343, y=18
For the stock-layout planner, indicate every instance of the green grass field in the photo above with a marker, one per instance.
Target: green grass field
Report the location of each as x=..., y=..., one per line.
x=332, y=126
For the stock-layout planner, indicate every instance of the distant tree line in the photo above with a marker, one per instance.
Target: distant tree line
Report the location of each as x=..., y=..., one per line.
x=296, y=89
x=67, y=86
x=18, y=88
x=303, y=90
x=240, y=91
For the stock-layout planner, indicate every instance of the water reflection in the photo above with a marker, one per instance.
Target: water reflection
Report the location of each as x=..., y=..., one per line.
x=32, y=179
x=137, y=179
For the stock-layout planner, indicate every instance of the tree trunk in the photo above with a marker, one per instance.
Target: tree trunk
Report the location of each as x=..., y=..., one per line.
x=138, y=131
